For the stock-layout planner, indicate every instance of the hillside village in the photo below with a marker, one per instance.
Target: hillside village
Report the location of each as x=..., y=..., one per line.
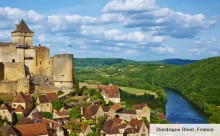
x=52, y=112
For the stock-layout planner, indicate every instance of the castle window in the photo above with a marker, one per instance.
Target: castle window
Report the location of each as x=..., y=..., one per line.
x=13, y=60
x=62, y=75
x=49, y=62
x=40, y=62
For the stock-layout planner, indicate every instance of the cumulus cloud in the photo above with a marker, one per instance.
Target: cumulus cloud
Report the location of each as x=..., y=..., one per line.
x=118, y=35
x=148, y=16
x=163, y=50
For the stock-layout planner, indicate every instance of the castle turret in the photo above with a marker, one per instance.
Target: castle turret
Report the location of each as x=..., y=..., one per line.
x=22, y=36
x=63, y=71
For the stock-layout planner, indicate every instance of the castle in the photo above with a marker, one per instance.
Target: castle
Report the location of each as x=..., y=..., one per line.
x=28, y=68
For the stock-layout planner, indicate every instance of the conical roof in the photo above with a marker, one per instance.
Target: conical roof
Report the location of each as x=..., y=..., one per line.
x=22, y=27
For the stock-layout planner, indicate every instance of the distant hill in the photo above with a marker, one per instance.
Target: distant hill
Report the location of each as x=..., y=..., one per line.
x=100, y=62
x=177, y=61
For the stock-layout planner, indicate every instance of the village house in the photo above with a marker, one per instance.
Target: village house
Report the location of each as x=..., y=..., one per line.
x=126, y=114
x=110, y=93
x=142, y=110
x=54, y=127
x=25, y=102
x=92, y=112
x=139, y=127
x=44, y=102
x=6, y=112
x=110, y=128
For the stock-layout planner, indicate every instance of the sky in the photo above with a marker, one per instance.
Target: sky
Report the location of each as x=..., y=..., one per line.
x=131, y=29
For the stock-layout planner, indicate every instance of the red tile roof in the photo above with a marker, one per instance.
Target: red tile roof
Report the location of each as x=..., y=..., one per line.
x=117, y=120
x=106, y=108
x=161, y=115
x=139, y=106
x=32, y=129
x=26, y=120
x=52, y=96
x=38, y=115
x=43, y=99
x=19, y=109
x=111, y=91
x=87, y=113
x=62, y=113
x=110, y=127
x=136, y=123
x=22, y=98
x=51, y=123
x=94, y=108
x=116, y=107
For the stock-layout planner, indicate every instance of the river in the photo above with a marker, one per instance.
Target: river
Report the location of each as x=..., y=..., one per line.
x=179, y=110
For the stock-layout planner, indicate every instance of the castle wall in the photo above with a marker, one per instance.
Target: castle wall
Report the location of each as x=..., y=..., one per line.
x=22, y=38
x=8, y=53
x=30, y=61
x=23, y=85
x=63, y=70
x=43, y=61
x=14, y=71
x=8, y=87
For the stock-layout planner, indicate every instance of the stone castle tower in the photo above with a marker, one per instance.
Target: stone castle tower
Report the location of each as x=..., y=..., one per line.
x=28, y=68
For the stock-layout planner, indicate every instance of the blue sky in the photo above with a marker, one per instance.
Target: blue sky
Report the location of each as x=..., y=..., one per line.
x=130, y=29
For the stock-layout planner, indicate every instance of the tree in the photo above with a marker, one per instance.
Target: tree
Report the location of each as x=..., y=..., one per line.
x=75, y=112
x=48, y=115
x=57, y=105
x=1, y=102
x=214, y=119
x=77, y=87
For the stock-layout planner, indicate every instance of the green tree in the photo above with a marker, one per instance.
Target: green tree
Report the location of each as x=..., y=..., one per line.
x=214, y=119
x=77, y=90
x=48, y=115
x=57, y=105
x=1, y=102
x=75, y=112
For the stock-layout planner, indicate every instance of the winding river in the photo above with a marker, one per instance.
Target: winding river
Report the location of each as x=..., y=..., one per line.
x=179, y=110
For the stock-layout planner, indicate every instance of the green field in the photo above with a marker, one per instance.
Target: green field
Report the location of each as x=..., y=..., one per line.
x=137, y=91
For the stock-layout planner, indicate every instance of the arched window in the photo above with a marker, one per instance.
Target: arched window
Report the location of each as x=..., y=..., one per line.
x=13, y=60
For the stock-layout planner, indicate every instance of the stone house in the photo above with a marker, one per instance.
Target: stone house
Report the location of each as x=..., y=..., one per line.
x=24, y=101
x=106, y=109
x=126, y=114
x=92, y=112
x=8, y=130
x=110, y=128
x=6, y=112
x=110, y=93
x=44, y=104
x=137, y=127
x=142, y=110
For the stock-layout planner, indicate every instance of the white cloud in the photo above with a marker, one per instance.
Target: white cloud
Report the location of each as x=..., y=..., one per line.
x=148, y=16
x=163, y=49
x=129, y=5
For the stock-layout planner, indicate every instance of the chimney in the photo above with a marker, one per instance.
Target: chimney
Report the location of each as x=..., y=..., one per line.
x=16, y=26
